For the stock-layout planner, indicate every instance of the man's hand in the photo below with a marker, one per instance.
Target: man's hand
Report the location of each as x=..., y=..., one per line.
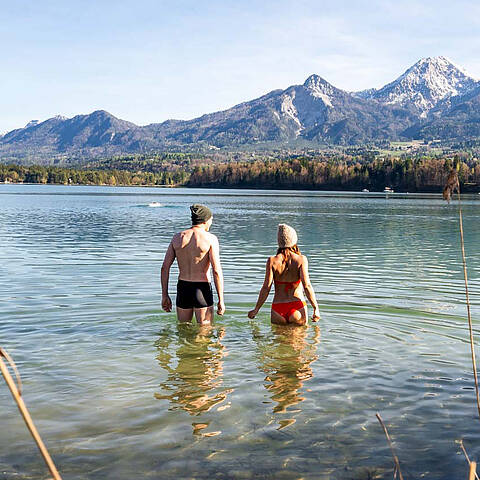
x=252, y=313
x=167, y=303
x=316, y=314
x=220, y=308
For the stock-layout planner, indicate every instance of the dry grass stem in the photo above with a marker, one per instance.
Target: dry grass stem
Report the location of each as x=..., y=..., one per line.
x=451, y=186
x=469, y=316
x=467, y=457
x=15, y=389
x=473, y=471
x=395, y=458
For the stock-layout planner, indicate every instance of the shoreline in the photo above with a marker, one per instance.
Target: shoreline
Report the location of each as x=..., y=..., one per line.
x=325, y=192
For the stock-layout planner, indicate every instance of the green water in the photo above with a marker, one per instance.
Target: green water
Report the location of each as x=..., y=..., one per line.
x=118, y=390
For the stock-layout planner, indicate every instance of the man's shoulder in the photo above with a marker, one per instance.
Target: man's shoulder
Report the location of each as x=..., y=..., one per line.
x=211, y=237
x=187, y=231
x=177, y=238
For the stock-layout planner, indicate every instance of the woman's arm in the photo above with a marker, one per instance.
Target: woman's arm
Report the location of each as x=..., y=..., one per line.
x=307, y=286
x=265, y=290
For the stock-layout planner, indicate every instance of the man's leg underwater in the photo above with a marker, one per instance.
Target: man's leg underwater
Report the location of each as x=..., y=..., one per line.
x=204, y=315
x=184, y=315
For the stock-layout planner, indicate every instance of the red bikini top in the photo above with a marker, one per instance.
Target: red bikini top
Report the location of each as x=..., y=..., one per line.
x=288, y=285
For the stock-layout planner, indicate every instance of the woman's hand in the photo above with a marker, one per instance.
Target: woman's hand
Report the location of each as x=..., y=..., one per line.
x=316, y=314
x=252, y=313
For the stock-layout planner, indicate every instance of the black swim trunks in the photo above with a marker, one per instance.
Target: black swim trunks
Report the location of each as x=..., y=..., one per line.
x=194, y=294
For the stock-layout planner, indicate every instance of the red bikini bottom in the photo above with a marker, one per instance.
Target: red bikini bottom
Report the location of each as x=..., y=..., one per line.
x=286, y=310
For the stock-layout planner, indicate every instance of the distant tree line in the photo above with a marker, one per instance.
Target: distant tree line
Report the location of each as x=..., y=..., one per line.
x=75, y=176
x=169, y=161
x=155, y=163
x=408, y=175
x=401, y=174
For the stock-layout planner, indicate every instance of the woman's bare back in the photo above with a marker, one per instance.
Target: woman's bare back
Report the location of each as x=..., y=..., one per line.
x=286, y=275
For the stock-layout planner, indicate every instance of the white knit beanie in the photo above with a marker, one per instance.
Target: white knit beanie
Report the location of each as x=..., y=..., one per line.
x=287, y=236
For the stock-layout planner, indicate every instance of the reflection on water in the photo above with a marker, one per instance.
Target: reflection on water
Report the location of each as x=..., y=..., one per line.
x=114, y=398
x=193, y=358
x=285, y=357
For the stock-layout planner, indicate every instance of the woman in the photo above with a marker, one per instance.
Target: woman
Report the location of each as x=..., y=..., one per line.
x=288, y=269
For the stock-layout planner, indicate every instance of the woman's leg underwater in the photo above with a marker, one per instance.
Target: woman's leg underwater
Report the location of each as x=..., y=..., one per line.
x=276, y=318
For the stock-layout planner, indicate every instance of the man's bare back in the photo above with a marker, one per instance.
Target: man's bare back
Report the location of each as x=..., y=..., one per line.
x=196, y=250
x=192, y=247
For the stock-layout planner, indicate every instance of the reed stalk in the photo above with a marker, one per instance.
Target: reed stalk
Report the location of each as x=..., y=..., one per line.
x=473, y=471
x=468, y=458
x=467, y=298
x=16, y=391
x=394, y=455
x=452, y=186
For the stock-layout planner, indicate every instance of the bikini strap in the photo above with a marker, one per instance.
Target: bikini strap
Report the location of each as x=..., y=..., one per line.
x=285, y=283
x=288, y=285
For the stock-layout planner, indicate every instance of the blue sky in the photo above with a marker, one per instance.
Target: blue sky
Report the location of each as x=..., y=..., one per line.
x=147, y=61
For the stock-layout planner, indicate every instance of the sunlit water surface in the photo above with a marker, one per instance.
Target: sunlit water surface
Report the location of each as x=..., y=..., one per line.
x=119, y=391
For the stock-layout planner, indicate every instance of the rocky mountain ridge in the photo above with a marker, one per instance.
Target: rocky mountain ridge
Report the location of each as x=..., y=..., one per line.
x=432, y=99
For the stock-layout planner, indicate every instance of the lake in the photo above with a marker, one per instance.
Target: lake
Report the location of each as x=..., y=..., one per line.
x=119, y=391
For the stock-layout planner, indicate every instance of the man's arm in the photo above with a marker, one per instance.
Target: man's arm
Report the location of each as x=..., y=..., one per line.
x=214, y=254
x=265, y=290
x=167, y=263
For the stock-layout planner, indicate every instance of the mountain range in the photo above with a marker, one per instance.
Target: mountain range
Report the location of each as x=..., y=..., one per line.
x=433, y=99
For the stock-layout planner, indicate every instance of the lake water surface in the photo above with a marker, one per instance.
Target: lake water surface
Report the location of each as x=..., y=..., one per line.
x=119, y=391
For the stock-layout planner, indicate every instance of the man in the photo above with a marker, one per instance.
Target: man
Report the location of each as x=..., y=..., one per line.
x=195, y=250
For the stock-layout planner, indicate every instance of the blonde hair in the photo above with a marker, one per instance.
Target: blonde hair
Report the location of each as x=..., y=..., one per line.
x=286, y=252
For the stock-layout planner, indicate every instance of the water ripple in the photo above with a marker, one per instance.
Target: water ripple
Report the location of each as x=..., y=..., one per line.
x=117, y=389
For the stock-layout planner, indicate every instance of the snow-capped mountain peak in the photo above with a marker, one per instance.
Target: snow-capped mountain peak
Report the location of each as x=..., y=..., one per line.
x=320, y=88
x=424, y=84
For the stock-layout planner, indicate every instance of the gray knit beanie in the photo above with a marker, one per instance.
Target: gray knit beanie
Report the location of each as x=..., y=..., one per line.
x=287, y=236
x=200, y=214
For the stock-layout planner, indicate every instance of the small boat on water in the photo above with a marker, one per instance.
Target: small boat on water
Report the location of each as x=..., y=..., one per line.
x=387, y=190
x=365, y=190
x=154, y=204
